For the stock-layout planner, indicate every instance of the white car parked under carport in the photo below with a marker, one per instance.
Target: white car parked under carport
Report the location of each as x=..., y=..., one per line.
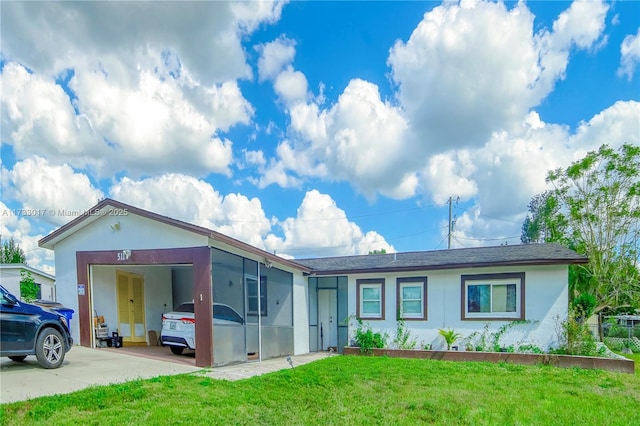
x=179, y=326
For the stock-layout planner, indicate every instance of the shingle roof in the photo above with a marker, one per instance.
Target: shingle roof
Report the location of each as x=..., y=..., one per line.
x=524, y=254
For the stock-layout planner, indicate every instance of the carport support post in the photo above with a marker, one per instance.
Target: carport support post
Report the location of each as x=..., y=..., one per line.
x=203, y=303
x=84, y=311
x=259, y=317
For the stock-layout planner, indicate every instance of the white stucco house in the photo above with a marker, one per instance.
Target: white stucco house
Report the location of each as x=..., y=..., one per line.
x=131, y=265
x=462, y=289
x=10, y=276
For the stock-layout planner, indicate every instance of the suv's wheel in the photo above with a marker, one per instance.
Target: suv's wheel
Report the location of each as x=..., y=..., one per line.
x=50, y=348
x=177, y=350
x=18, y=358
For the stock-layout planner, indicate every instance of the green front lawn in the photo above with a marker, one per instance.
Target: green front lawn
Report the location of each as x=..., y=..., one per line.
x=355, y=390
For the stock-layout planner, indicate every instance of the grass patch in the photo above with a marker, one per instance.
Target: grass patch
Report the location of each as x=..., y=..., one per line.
x=354, y=390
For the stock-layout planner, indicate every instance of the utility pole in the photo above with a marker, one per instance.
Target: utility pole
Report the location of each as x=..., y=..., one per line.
x=450, y=225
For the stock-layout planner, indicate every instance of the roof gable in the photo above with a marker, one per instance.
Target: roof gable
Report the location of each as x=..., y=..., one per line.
x=103, y=208
x=107, y=205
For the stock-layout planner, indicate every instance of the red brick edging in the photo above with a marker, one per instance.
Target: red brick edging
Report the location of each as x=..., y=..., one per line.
x=563, y=361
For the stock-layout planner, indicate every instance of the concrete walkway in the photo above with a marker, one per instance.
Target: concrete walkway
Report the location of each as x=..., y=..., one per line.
x=85, y=367
x=250, y=369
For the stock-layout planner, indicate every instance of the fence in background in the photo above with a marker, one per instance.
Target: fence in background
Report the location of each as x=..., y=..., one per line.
x=619, y=333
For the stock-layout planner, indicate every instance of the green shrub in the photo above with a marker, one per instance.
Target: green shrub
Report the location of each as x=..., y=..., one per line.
x=366, y=339
x=403, y=339
x=530, y=348
x=502, y=331
x=575, y=338
x=488, y=341
x=450, y=336
x=479, y=340
x=618, y=331
x=614, y=343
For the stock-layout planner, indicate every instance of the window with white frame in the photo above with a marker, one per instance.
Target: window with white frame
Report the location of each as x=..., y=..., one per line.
x=370, y=294
x=252, y=297
x=412, y=298
x=493, y=296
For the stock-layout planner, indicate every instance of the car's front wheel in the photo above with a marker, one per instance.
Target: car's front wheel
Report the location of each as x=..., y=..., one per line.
x=18, y=358
x=50, y=348
x=177, y=350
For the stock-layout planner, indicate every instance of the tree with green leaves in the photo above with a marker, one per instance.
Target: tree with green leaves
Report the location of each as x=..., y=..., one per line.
x=381, y=251
x=544, y=222
x=28, y=288
x=12, y=252
x=599, y=214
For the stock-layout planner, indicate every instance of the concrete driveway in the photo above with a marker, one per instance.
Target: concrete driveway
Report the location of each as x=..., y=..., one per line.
x=85, y=367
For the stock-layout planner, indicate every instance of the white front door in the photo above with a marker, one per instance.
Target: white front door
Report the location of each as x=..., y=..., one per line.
x=327, y=319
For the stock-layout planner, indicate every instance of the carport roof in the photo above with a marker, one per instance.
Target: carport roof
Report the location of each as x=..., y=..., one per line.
x=103, y=207
x=514, y=255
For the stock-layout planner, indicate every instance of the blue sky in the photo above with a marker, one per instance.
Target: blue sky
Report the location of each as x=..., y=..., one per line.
x=309, y=128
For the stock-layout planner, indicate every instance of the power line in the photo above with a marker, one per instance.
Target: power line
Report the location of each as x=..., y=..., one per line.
x=441, y=241
x=497, y=218
x=456, y=238
x=487, y=239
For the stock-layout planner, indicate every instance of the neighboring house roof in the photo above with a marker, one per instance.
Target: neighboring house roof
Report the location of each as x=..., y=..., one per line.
x=520, y=255
x=17, y=267
x=108, y=204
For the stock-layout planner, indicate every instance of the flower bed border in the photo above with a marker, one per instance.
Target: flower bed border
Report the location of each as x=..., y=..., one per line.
x=562, y=361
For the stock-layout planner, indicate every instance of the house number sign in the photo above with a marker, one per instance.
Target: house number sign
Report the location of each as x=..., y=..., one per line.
x=124, y=255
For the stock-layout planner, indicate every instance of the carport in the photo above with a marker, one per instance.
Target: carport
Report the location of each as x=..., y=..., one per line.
x=135, y=292
x=91, y=266
x=130, y=266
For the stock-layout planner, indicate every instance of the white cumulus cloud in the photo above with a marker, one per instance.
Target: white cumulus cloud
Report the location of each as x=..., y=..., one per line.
x=151, y=91
x=470, y=69
x=629, y=55
x=359, y=139
x=38, y=185
x=505, y=173
x=196, y=201
x=291, y=86
x=91, y=35
x=38, y=117
x=16, y=226
x=468, y=72
x=274, y=57
x=154, y=126
x=321, y=228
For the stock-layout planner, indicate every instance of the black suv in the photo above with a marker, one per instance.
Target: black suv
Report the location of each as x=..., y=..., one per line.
x=27, y=329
